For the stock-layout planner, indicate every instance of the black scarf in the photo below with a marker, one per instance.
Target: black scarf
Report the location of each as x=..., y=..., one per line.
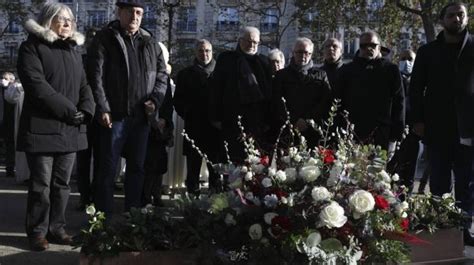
x=302, y=70
x=252, y=84
x=205, y=69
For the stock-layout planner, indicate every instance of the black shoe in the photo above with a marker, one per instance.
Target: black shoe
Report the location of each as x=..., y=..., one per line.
x=468, y=239
x=60, y=239
x=38, y=243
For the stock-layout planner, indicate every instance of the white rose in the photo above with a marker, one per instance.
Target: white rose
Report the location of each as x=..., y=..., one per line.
x=313, y=239
x=255, y=232
x=280, y=175
x=230, y=220
x=268, y=217
x=320, y=194
x=361, y=201
x=290, y=174
x=258, y=168
x=90, y=210
x=332, y=215
x=267, y=182
x=385, y=176
x=312, y=161
x=253, y=159
x=395, y=177
x=248, y=176
x=272, y=171
x=244, y=169
x=297, y=158
x=310, y=173
x=285, y=159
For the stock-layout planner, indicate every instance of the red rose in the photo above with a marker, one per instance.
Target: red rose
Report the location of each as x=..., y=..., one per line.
x=280, y=224
x=278, y=192
x=381, y=202
x=328, y=156
x=405, y=224
x=265, y=160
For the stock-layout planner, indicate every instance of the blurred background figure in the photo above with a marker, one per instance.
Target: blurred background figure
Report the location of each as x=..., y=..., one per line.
x=277, y=60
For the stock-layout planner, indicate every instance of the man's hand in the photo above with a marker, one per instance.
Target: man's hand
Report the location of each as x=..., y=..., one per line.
x=301, y=125
x=149, y=107
x=77, y=119
x=105, y=120
x=419, y=129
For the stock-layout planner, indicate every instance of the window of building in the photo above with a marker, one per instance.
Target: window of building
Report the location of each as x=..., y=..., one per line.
x=65, y=1
x=228, y=19
x=96, y=18
x=149, y=17
x=269, y=22
x=14, y=27
x=349, y=48
x=12, y=51
x=187, y=19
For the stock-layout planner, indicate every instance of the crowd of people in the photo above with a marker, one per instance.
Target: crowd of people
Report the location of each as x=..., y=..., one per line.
x=117, y=101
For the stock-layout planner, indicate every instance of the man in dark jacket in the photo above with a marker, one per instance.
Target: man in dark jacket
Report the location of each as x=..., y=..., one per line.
x=190, y=100
x=241, y=86
x=442, y=102
x=370, y=88
x=332, y=56
x=306, y=90
x=128, y=77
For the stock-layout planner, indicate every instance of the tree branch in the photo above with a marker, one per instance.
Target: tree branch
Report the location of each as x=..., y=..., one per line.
x=408, y=9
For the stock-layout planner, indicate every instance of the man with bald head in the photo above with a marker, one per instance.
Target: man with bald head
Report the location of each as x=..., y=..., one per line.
x=241, y=86
x=370, y=88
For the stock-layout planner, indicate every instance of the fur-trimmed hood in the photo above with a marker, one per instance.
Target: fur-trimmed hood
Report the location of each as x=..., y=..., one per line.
x=48, y=35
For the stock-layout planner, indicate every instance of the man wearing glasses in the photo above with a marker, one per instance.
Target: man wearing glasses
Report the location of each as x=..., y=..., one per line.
x=306, y=91
x=442, y=102
x=370, y=88
x=127, y=73
x=241, y=86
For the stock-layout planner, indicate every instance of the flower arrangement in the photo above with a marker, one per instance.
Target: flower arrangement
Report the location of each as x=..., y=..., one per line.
x=334, y=204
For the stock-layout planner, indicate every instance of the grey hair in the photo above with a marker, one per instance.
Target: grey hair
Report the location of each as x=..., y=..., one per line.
x=371, y=34
x=8, y=74
x=304, y=40
x=276, y=54
x=247, y=31
x=201, y=42
x=51, y=9
x=332, y=40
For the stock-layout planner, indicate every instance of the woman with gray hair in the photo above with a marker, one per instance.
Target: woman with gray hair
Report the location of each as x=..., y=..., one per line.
x=277, y=60
x=58, y=103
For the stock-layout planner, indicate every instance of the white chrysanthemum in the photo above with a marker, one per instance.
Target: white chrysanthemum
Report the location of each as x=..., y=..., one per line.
x=255, y=232
x=267, y=182
x=280, y=175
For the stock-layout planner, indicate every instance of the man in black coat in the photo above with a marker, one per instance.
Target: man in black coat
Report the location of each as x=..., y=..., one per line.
x=190, y=101
x=442, y=103
x=241, y=86
x=127, y=73
x=332, y=56
x=306, y=90
x=370, y=88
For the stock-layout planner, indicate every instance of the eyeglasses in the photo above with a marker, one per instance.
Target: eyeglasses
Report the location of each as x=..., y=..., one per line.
x=63, y=19
x=303, y=52
x=367, y=45
x=251, y=42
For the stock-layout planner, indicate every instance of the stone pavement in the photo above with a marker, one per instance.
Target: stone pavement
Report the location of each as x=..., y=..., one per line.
x=14, y=244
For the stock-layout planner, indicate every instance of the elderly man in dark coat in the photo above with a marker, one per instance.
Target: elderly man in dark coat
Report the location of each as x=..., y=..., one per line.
x=190, y=98
x=241, y=86
x=370, y=88
x=442, y=102
x=127, y=73
x=57, y=103
x=306, y=90
x=332, y=56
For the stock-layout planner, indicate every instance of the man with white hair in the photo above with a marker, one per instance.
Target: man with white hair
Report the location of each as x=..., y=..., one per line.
x=306, y=90
x=241, y=86
x=277, y=60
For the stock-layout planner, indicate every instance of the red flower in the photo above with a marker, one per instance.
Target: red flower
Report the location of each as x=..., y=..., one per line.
x=328, y=155
x=404, y=224
x=278, y=192
x=265, y=160
x=280, y=224
x=381, y=202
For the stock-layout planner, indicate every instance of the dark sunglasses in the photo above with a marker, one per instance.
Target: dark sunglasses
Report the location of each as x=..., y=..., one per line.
x=367, y=45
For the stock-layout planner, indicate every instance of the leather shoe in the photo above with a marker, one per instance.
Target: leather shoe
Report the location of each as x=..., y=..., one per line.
x=38, y=243
x=60, y=239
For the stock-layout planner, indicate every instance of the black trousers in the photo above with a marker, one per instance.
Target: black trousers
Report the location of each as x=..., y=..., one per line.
x=193, y=166
x=404, y=161
x=48, y=192
x=9, y=118
x=85, y=182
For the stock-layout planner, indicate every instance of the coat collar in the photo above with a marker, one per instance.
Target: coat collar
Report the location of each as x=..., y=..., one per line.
x=48, y=35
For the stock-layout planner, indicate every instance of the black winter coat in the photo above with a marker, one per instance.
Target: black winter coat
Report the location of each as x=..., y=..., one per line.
x=55, y=85
x=191, y=103
x=442, y=91
x=108, y=70
x=372, y=92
